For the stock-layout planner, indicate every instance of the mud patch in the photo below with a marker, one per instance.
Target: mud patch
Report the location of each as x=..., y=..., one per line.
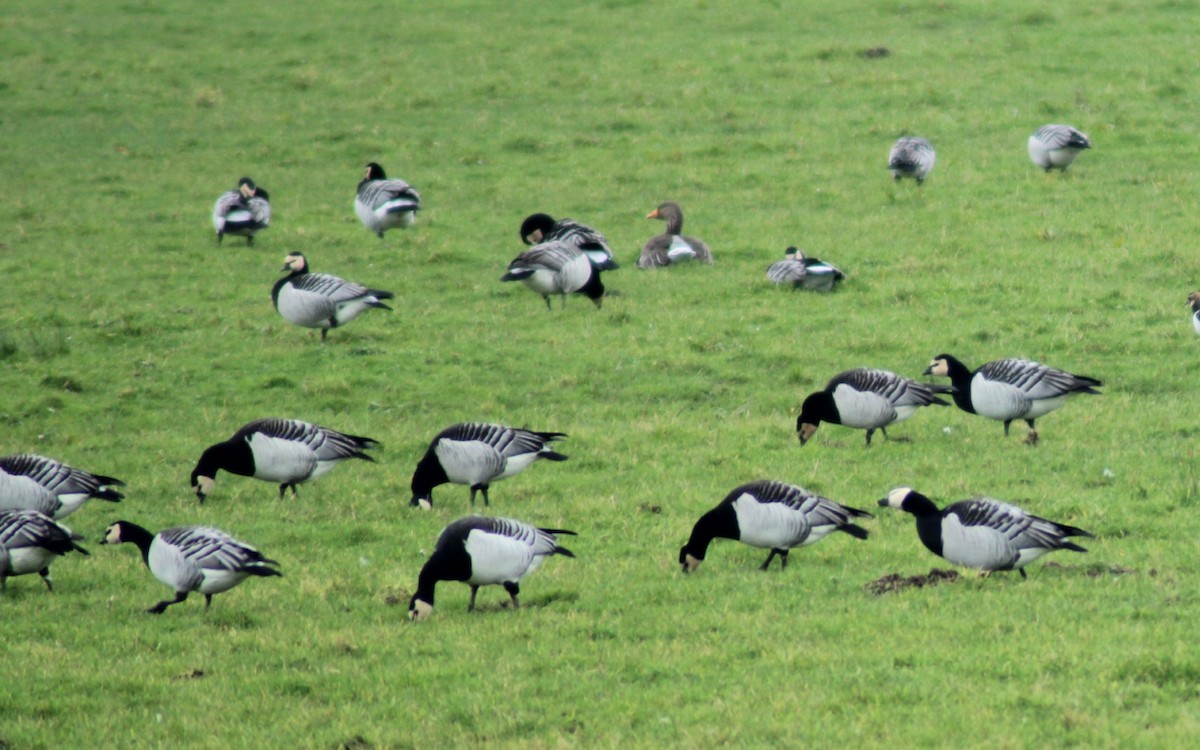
x=899, y=582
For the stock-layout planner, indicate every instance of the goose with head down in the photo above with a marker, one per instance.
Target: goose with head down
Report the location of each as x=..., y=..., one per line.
x=484, y=551
x=1057, y=146
x=771, y=515
x=556, y=267
x=866, y=399
x=540, y=228
x=911, y=157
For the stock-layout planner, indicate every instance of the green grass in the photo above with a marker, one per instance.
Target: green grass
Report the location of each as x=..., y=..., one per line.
x=129, y=342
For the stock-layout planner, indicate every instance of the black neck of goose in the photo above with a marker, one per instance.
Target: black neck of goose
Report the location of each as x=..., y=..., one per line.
x=818, y=407
x=720, y=522
x=919, y=505
x=279, y=285
x=233, y=456
x=134, y=534
x=960, y=378
x=429, y=474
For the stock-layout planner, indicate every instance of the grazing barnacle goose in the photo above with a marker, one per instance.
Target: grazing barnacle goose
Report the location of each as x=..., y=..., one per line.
x=771, y=515
x=1008, y=389
x=478, y=454
x=1056, y=146
x=672, y=246
x=383, y=204
x=983, y=533
x=1194, y=303
x=319, y=300
x=243, y=212
x=539, y=228
x=286, y=451
x=483, y=551
x=865, y=399
x=911, y=157
x=804, y=273
x=557, y=268
x=29, y=542
x=29, y=482
x=192, y=558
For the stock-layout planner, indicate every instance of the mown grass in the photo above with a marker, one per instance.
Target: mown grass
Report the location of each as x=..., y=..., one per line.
x=129, y=342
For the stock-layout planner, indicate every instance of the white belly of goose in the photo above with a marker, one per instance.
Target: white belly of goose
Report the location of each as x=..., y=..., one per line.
x=865, y=409
x=496, y=558
x=680, y=251
x=24, y=560
x=279, y=460
x=1003, y=401
x=308, y=309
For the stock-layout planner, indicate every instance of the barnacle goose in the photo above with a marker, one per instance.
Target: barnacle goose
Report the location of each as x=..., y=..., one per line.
x=1194, y=303
x=771, y=515
x=983, y=533
x=803, y=272
x=672, y=246
x=192, y=558
x=557, y=268
x=1008, y=389
x=478, y=454
x=1056, y=146
x=287, y=451
x=865, y=399
x=29, y=482
x=319, y=300
x=483, y=551
x=383, y=204
x=911, y=157
x=539, y=228
x=244, y=211
x=29, y=542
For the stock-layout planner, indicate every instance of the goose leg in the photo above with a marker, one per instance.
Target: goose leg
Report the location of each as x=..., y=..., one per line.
x=324, y=333
x=207, y=600
x=783, y=559
x=1007, y=422
x=770, y=557
x=45, y=574
x=513, y=589
x=546, y=298
x=870, y=432
x=474, y=591
x=161, y=607
x=250, y=241
x=484, y=489
x=1022, y=572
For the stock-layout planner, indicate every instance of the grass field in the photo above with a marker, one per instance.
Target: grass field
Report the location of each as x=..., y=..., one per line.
x=129, y=342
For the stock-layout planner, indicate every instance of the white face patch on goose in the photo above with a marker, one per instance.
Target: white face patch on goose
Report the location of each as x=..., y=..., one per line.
x=204, y=485
x=896, y=497
x=420, y=611
x=424, y=503
x=940, y=368
x=691, y=563
x=112, y=535
x=807, y=430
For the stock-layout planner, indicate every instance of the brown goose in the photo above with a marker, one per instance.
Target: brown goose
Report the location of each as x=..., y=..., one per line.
x=672, y=246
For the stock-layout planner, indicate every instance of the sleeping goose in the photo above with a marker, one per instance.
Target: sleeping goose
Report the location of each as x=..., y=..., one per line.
x=1056, y=146
x=983, y=533
x=539, y=228
x=244, y=211
x=29, y=482
x=192, y=558
x=29, y=542
x=383, y=204
x=319, y=300
x=672, y=246
x=1194, y=303
x=911, y=157
x=1008, y=389
x=482, y=551
x=478, y=454
x=286, y=451
x=865, y=399
x=557, y=268
x=804, y=273
x=771, y=515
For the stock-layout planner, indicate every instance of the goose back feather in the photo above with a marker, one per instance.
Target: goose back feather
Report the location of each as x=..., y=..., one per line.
x=32, y=482
x=383, y=204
